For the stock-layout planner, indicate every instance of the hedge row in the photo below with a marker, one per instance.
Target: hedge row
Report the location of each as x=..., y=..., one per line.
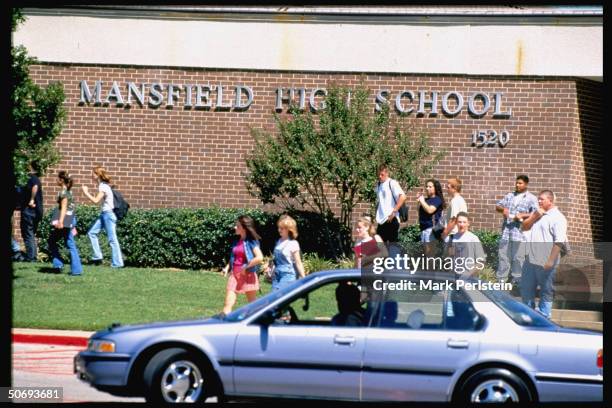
x=201, y=238
x=196, y=238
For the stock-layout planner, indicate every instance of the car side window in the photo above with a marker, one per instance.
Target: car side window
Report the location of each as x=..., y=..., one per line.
x=410, y=310
x=319, y=307
x=459, y=312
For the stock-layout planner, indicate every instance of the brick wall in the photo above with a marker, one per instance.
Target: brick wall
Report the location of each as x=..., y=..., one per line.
x=195, y=158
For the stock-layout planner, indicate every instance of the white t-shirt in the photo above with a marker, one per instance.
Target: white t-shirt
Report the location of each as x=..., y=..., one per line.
x=550, y=229
x=287, y=248
x=107, y=204
x=456, y=205
x=388, y=194
x=468, y=246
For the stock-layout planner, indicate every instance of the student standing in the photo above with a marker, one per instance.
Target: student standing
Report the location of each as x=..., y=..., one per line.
x=456, y=205
x=31, y=213
x=106, y=220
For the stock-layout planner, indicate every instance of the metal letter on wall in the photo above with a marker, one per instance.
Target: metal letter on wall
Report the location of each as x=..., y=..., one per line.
x=115, y=94
x=381, y=99
x=315, y=92
x=156, y=97
x=188, y=94
x=433, y=102
x=133, y=90
x=87, y=97
x=243, y=106
x=486, y=102
x=203, y=92
x=445, y=99
x=398, y=102
x=173, y=91
x=498, y=102
x=219, y=104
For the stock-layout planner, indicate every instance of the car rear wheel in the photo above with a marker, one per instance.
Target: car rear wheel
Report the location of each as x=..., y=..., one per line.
x=176, y=375
x=494, y=385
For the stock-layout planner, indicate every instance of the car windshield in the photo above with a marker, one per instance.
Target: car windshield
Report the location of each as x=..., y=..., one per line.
x=254, y=307
x=519, y=312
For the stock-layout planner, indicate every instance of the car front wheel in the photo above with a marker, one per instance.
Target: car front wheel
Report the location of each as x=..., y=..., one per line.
x=175, y=375
x=494, y=385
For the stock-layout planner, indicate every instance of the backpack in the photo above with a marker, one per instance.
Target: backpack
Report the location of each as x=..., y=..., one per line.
x=121, y=206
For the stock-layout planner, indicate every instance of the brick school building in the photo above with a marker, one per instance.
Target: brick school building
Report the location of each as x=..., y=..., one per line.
x=165, y=97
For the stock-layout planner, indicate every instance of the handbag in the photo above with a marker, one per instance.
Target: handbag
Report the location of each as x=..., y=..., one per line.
x=68, y=217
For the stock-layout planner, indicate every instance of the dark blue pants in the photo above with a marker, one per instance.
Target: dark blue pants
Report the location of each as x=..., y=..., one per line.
x=29, y=223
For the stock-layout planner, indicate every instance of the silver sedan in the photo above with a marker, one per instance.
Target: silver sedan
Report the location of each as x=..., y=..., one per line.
x=332, y=336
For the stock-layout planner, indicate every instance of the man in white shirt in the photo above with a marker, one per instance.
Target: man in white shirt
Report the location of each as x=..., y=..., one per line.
x=548, y=236
x=390, y=198
x=456, y=205
x=466, y=248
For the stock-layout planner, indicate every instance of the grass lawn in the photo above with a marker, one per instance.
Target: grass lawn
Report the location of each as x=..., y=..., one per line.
x=103, y=295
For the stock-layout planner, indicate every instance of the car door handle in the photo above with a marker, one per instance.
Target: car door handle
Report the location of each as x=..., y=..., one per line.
x=457, y=344
x=347, y=341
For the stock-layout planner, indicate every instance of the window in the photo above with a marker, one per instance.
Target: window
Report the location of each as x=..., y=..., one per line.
x=320, y=307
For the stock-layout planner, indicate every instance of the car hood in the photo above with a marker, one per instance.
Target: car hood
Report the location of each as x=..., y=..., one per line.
x=156, y=325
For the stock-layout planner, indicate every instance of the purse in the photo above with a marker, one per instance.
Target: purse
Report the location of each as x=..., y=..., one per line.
x=68, y=218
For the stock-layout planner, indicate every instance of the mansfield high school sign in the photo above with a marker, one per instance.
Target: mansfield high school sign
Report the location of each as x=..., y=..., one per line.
x=219, y=97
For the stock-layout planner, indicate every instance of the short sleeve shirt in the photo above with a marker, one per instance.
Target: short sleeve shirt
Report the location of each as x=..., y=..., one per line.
x=38, y=198
x=516, y=203
x=468, y=246
x=456, y=205
x=286, y=249
x=108, y=202
x=427, y=220
x=549, y=229
x=68, y=195
x=388, y=193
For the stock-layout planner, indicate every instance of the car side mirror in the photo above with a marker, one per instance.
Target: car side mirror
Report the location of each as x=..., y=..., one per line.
x=269, y=316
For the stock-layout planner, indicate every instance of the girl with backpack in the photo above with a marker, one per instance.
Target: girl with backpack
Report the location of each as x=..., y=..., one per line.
x=106, y=220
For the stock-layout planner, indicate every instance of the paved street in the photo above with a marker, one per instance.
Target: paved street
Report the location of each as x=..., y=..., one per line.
x=41, y=365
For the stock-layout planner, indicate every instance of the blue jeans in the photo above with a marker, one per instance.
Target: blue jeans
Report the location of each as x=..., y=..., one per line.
x=108, y=221
x=511, y=259
x=29, y=224
x=534, y=275
x=75, y=260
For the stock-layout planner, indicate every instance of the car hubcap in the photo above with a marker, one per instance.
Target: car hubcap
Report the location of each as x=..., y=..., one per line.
x=182, y=382
x=494, y=391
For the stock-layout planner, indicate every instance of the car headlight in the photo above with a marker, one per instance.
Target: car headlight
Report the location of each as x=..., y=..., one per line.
x=101, y=346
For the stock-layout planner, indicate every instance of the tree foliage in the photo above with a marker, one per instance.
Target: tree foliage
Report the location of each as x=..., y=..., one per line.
x=38, y=113
x=314, y=161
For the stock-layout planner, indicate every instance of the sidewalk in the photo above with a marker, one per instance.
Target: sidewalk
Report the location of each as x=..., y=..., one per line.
x=44, y=336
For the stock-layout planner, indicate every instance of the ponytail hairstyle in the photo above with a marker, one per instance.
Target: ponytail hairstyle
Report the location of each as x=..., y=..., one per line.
x=102, y=174
x=66, y=178
x=367, y=222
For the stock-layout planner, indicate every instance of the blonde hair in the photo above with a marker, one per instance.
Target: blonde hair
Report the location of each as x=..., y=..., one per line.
x=101, y=172
x=367, y=222
x=289, y=223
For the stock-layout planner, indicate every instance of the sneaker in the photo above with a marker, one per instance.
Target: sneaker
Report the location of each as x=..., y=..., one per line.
x=96, y=262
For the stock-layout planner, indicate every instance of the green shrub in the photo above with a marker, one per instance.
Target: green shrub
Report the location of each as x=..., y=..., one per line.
x=313, y=263
x=490, y=243
x=194, y=238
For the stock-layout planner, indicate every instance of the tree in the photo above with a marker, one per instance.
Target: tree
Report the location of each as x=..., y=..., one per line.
x=310, y=161
x=38, y=113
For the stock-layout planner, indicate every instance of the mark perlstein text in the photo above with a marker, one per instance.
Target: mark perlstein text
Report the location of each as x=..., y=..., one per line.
x=428, y=284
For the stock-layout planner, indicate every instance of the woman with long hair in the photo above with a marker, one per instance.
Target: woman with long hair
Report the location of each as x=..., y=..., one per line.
x=245, y=258
x=106, y=220
x=430, y=207
x=64, y=223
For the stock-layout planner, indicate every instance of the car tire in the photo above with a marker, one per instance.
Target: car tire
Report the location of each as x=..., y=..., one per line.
x=176, y=375
x=494, y=385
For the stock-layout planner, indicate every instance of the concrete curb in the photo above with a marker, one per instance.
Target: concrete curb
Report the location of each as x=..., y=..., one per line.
x=56, y=337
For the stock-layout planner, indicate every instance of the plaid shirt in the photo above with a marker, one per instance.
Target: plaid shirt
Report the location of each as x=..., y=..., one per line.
x=511, y=231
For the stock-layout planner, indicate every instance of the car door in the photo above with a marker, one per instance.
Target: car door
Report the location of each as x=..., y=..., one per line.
x=416, y=343
x=308, y=358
